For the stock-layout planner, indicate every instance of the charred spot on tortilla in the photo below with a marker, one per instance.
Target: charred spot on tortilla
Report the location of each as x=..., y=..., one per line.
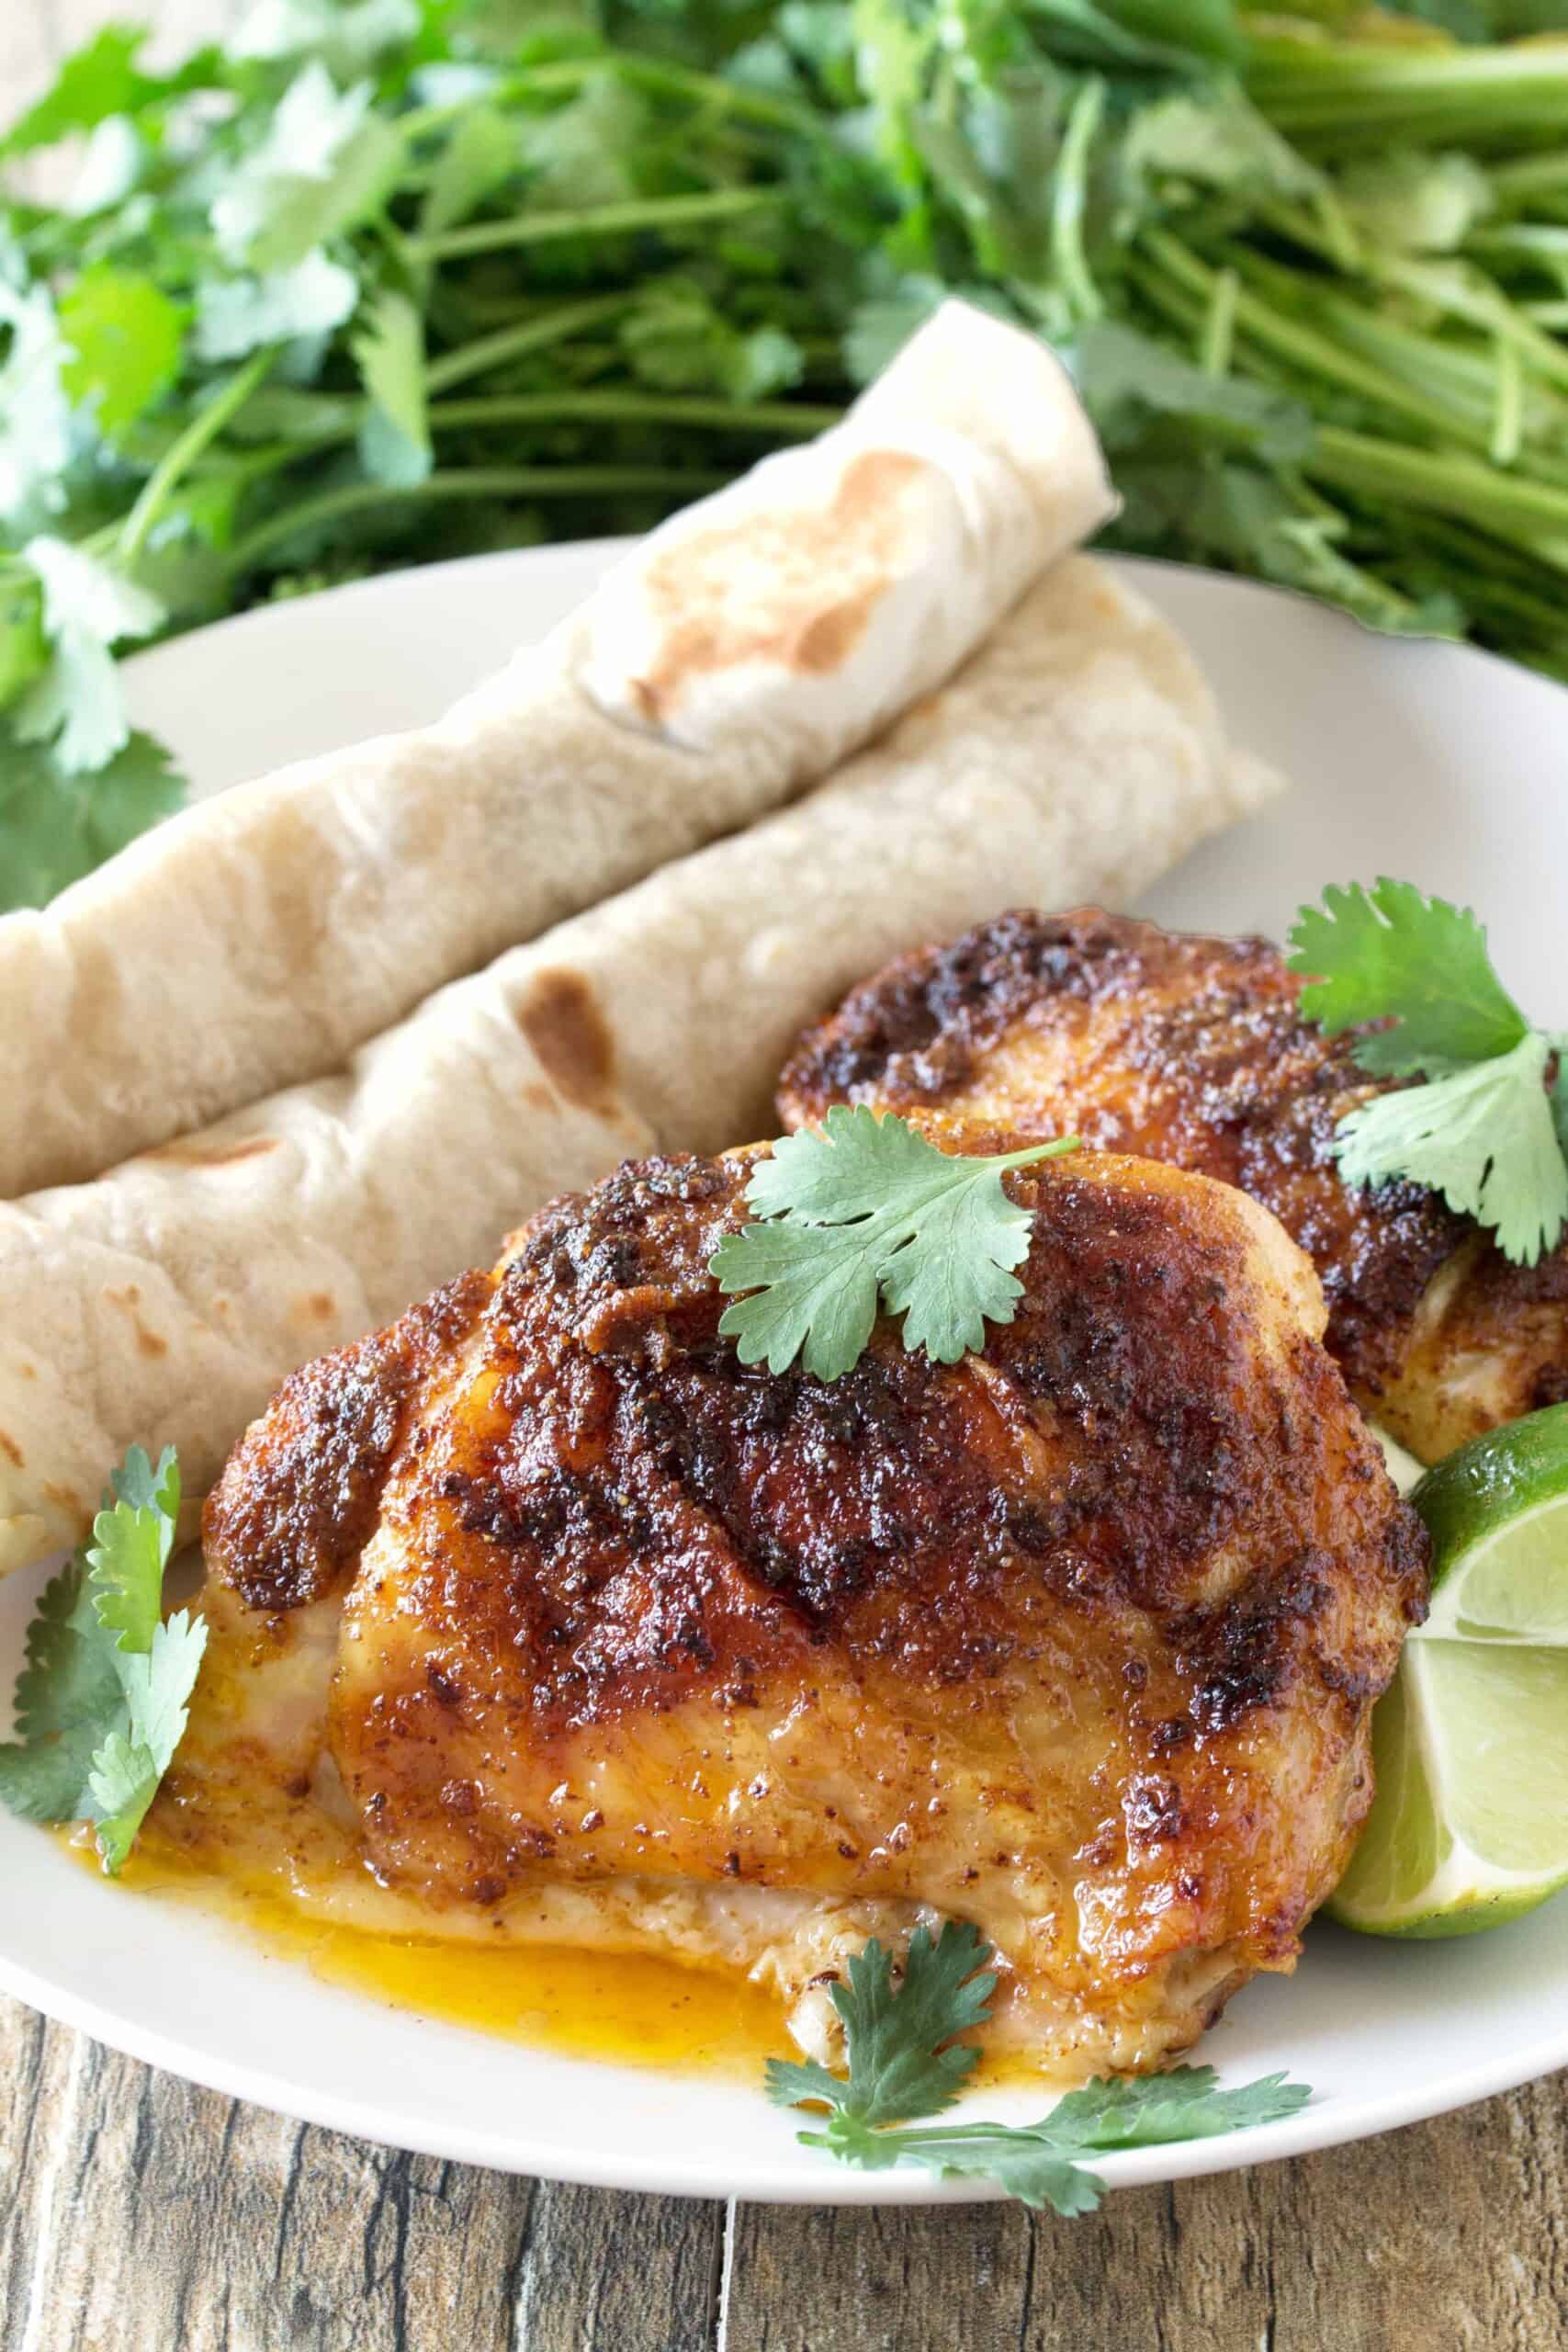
x=826, y=642
x=191, y=1151
x=706, y=629
x=148, y=1344
x=12, y=1451
x=561, y=1020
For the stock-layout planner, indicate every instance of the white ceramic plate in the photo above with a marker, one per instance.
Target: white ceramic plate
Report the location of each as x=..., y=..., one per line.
x=1416, y=760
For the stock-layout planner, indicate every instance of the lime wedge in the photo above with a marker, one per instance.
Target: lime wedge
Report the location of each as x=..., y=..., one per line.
x=1470, y=1827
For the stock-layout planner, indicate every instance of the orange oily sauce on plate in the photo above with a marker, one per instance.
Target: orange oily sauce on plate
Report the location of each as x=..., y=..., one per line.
x=623, y=2008
x=626, y=2008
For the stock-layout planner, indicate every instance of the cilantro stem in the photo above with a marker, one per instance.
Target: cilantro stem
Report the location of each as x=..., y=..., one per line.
x=1530, y=175
x=537, y=334
x=1219, y=324
x=767, y=417
x=592, y=221
x=1532, y=514
x=1506, y=422
x=181, y=453
x=482, y=482
x=1068, y=198
x=1301, y=344
x=914, y=2136
x=566, y=74
x=1446, y=484
x=650, y=408
x=1485, y=307
x=1369, y=94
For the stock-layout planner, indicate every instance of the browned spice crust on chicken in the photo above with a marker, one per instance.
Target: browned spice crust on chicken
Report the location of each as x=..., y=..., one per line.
x=1077, y=1639
x=1194, y=1049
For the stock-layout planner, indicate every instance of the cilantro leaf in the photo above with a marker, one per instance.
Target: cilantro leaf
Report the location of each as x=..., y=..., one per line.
x=131, y=1762
x=103, y=1698
x=1416, y=203
x=122, y=1785
x=1126, y=380
x=394, y=440
x=99, y=80
x=88, y=607
x=677, y=342
x=324, y=166
x=144, y=1485
x=813, y=1294
x=1219, y=139
x=1149, y=2112
x=904, y=2060
x=481, y=155
x=1560, y=1093
x=896, y=2038
x=868, y=1210
x=124, y=338
x=66, y=1691
x=1483, y=1137
x=56, y=828
x=236, y=316
x=24, y=649
x=1390, y=954
x=133, y=1533
x=36, y=435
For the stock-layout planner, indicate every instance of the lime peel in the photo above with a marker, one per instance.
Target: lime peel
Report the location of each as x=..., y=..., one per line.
x=1470, y=1825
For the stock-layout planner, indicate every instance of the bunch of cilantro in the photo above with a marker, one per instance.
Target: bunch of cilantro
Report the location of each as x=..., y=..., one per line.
x=386, y=281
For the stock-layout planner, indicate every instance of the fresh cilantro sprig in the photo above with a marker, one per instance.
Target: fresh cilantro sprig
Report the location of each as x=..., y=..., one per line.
x=868, y=1213
x=1483, y=1131
x=905, y=2062
x=102, y=1700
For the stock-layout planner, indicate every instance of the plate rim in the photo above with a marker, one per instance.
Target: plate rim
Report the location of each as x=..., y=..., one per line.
x=1333, y=2123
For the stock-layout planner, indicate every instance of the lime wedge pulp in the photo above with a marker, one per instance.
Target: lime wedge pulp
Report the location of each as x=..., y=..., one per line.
x=1470, y=1827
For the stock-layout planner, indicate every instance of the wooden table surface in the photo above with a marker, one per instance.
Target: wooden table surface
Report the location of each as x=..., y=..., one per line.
x=141, y=2215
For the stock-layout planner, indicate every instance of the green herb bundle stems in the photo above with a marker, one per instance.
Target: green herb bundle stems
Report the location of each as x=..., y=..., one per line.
x=528, y=337
x=596, y=220
x=787, y=419
x=183, y=452
x=476, y=481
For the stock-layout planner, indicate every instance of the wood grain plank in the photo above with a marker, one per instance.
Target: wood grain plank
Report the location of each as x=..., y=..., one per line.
x=1449, y=2237
x=144, y=2215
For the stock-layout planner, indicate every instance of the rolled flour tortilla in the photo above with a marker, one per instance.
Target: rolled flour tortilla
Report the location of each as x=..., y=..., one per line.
x=1075, y=757
x=739, y=653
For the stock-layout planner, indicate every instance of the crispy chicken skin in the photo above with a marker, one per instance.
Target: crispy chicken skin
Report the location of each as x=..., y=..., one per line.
x=1077, y=1639
x=1192, y=1050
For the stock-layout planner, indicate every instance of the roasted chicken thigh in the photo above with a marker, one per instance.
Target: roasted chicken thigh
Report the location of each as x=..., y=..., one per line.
x=550, y=1617
x=1194, y=1049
